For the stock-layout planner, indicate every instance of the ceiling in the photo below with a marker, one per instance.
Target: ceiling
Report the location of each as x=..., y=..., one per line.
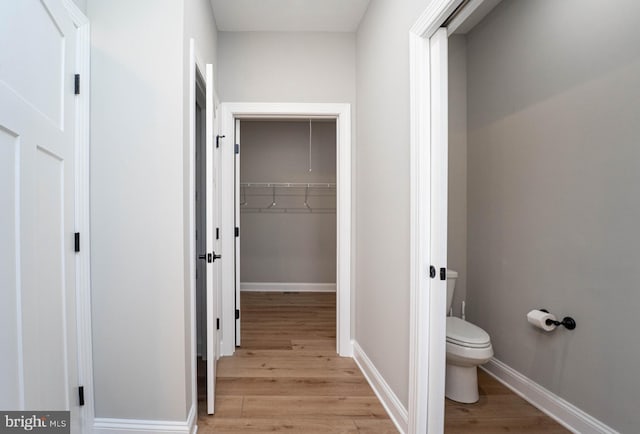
x=289, y=15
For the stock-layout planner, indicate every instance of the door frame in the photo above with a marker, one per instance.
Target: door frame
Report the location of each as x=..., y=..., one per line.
x=83, y=212
x=342, y=114
x=196, y=68
x=428, y=120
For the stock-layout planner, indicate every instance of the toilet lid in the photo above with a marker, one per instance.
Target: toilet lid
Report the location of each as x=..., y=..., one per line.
x=466, y=334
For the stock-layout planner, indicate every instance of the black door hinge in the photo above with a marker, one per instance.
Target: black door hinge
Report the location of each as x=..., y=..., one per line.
x=237, y=313
x=432, y=272
x=237, y=150
x=218, y=137
x=443, y=274
x=237, y=231
x=76, y=242
x=76, y=84
x=217, y=233
x=217, y=323
x=81, y=395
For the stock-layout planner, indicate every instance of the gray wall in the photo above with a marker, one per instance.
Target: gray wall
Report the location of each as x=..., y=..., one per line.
x=457, y=223
x=141, y=305
x=291, y=247
x=553, y=104
x=382, y=195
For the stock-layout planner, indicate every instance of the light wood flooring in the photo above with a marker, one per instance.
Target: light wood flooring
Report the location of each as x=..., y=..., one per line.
x=287, y=378
x=498, y=411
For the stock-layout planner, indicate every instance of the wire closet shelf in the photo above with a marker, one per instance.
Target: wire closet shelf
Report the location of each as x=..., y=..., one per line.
x=288, y=197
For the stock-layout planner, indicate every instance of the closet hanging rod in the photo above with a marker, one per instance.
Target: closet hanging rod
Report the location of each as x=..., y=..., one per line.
x=288, y=184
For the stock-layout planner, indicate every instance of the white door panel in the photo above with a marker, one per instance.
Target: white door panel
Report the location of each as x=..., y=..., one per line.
x=10, y=340
x=37, y=109
x=213, y=264
x=31, y=23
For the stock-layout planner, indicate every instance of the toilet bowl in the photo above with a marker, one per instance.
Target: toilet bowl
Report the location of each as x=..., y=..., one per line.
x=467, y=347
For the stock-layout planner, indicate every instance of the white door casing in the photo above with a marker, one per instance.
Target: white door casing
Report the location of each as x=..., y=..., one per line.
x=438, y=249
x=230, y=113
x=429, y=179
x=38, y=109
x=236, y=207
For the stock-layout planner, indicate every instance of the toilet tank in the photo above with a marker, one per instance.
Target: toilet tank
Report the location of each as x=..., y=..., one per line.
x=451, y=286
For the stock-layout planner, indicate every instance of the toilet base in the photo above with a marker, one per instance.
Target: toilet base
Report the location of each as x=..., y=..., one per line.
x=461, y=383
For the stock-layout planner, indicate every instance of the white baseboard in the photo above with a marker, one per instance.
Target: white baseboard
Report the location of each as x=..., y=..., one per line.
x=565, y=413
x=389, y=400
x=136, y=426
x=287, y=287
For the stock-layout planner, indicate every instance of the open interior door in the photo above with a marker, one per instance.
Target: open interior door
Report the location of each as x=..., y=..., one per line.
x=237, y=227
x=212, y=259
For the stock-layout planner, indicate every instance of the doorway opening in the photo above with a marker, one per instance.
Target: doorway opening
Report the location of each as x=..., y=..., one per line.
x=204, y=209
x=287, y=220
x=283, y=196
x=200, y=174
x=429, y=121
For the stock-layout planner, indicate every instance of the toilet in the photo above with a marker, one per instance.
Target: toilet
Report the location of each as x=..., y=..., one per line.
x=467, y=347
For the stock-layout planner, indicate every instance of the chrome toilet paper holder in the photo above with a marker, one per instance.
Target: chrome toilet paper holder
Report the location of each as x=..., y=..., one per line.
x=568, y=322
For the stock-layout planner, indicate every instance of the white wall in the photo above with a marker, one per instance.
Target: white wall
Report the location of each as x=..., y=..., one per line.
x=382, y=195
x=457, y=228
x=140, y=295
x=82, y=5
x=296, y=247
x=553, y=103
x=287, y=67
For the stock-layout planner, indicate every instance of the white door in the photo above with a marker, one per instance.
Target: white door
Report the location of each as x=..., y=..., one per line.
x=212, y=241
x=237, y=228
x=438, y=231
x=38, y=360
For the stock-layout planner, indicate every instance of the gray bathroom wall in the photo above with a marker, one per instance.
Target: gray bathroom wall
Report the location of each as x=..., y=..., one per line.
x=295, y=246
x=554, y=206
x=457, y=222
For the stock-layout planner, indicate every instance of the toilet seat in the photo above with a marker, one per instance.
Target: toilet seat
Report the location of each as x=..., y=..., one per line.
x=465, y=334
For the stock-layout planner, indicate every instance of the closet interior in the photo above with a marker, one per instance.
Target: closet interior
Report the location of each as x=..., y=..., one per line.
x=287, y=204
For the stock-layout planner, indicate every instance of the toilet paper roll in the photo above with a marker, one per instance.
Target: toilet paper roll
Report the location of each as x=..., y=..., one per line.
x=539, y=319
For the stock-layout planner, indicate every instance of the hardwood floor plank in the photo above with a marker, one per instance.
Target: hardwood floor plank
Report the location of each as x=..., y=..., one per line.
x=270, y=386
x=294, y=426
x=311, y=407
x=526, y=425
x=229, y=406
x=285, y=366
x=499, y=410
x=314, y=344
x=379, y=426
